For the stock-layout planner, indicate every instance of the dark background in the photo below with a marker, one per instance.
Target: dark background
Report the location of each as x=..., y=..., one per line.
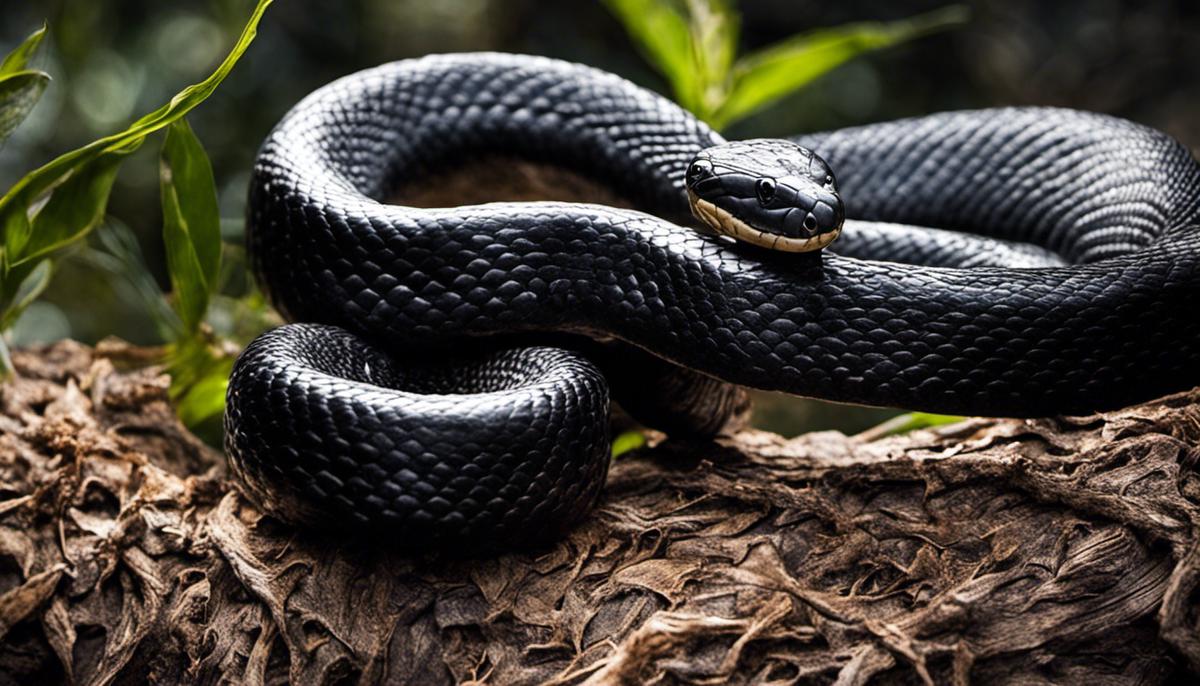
x=113, y=61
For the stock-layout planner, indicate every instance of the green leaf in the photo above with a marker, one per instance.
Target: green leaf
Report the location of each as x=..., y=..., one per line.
x=20, y=87
x=120, y=256
x=25, y=285
x=6, y=365
x=31, y=281
x=630, y=440
x=199, y=376
x=205, y=398
x=18, y=59
x=714, y=29
x=907, y=423
x=32, y=187
x=75, y=207
x=191, y=222
x=765, y=76
x=662, y=33
x=19, y=93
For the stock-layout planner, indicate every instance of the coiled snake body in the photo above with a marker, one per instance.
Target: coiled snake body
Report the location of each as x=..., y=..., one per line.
x=412, y=399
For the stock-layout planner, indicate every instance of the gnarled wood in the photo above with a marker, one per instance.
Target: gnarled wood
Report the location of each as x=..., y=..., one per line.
x=991, y=551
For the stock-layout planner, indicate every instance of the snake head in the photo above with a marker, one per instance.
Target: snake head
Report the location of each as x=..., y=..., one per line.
x=772, y=193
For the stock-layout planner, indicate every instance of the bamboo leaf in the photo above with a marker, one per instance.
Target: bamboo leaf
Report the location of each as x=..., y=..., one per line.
x=205, y=398
x=907, y=423
x=6, y=365
x=18, y=59
x=630, y=440
x=714, y=29
x=23, y=286
x=20, y=87
x=30, y=281
x=663, y=35
x=199, y=376
x=28, y=191
x=120, y=256
x=191, y=222
x=75, y=208
x=19, y=93
x=765, y=76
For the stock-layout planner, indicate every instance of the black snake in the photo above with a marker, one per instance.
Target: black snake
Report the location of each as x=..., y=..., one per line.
x=1061, y=279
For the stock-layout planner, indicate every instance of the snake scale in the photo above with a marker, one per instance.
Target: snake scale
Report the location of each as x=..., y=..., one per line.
x=450, y=380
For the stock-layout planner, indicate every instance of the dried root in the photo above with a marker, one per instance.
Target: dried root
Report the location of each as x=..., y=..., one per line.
x=992, y=551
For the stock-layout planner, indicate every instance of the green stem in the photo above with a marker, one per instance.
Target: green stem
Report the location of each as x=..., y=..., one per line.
x=6, y=366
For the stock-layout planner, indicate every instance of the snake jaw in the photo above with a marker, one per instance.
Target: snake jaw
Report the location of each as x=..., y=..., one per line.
x=725, y=223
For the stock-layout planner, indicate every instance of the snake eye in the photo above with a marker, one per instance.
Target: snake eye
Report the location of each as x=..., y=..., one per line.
x=698, y=170
x=765, y=188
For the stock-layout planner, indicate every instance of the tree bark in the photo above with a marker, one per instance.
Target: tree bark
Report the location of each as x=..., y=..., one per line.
x=991, y=551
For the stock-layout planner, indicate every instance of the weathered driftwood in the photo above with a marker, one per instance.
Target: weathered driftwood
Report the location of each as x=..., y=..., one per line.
x=1049, y=551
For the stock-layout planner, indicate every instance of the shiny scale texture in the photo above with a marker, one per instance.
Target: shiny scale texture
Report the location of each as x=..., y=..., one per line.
x=1071, y=291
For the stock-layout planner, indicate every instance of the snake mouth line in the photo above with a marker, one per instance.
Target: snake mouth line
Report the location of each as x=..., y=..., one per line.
x=726, y=224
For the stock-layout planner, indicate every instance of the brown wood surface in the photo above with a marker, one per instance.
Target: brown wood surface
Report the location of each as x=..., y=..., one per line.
x=992, y=551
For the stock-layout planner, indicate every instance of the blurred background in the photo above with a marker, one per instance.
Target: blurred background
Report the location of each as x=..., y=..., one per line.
x=113, y=61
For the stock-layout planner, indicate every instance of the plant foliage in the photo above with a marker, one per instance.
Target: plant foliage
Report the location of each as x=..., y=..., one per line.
x=191, y=223
x=628, y=441
x=20, y=86
x=61, y=202
x=693, y=43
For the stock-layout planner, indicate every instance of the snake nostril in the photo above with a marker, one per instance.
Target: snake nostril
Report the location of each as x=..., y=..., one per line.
x=810, y=223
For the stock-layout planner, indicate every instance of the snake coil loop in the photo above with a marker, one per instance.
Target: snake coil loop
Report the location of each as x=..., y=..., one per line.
x=1059, y=274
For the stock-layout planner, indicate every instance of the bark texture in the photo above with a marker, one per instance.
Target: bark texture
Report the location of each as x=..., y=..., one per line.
x=992, y=551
